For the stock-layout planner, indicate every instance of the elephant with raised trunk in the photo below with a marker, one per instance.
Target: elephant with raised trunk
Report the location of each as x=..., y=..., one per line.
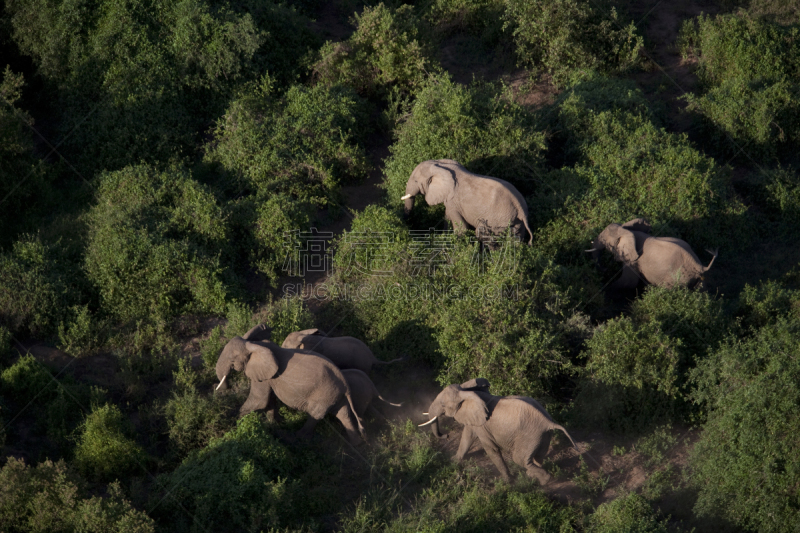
x=470, y=200
x=661, y=261
x=300, y=379
x=517, y=425
x=345, y=352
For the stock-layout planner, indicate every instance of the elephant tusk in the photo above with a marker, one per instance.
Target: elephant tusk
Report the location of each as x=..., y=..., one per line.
x=406, y=197
x=426, y=414
x=221, y=382
x=592, y=250
x=431, y=421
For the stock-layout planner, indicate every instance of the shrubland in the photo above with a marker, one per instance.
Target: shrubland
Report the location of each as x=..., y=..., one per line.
x=210, y=134
x=745, y=62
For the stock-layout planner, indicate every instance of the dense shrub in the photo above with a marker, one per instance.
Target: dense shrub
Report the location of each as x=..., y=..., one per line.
x=241, y=481
x=746, y=64
x=154, y=243
x=777, y=193
x=479, y=126
x=33, y=293
x=765, y=303
x=137, y=81
x=481, y=17
x=389, y=53
x=558, y=37
x=49, y=497
x=626, y=513
x=743, y=463
x=104, y=452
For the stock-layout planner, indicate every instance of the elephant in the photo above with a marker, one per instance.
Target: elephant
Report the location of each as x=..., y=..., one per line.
x=345, y=352
x=661, y=261
x=301, y=379
x=517, y=425
x=471, y=200
x=363, y=391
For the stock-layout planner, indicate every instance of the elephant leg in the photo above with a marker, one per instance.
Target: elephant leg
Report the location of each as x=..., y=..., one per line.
x=308, y=428
x=493, y=451
x=344, y=416
x=467, y=438
x=538, y=473
x=532, y=461
x=260, y=393
x=629, y=279
x=459, y=224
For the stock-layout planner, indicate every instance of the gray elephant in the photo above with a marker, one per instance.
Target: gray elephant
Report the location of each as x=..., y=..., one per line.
x=345, y=352
x=471, y=200
x=363, y=392
x=662, y=261
x=517, y=425
x=300, y=379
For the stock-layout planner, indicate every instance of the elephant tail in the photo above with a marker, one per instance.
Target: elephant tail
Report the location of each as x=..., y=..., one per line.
x=530, y=233
x=714, y=253
x=556, y=426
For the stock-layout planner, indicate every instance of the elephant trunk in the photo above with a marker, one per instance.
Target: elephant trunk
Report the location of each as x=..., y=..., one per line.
x=435, y=412
x=223, y=369
x=412, y=189
x=435, y=429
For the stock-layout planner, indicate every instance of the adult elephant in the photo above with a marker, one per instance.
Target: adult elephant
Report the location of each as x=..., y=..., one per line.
x=300, y=379
x=662, y=261
x=363, y=391
x=517, y=425
x=471, y=200
x=345, y=352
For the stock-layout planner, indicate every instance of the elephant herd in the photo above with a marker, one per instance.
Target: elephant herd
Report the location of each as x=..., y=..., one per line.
x=492, y=205
x=316, y=374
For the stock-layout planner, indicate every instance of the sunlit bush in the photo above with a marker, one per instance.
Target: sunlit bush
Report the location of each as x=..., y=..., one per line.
x=389, y=53
x=749, y=64
x=743, y=463
x=558, y=37
x=49, y=497
x=154, y=244
x=626, y=513
x=104, y=452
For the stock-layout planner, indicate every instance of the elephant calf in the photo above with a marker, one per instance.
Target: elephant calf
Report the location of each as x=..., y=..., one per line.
x=661, y=261
x=517, y=425
x=345, y=352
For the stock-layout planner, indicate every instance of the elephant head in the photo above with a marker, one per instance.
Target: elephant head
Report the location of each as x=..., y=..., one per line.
x=460, y=402
x=257, y=361
x=431, y=179
x=619, y=240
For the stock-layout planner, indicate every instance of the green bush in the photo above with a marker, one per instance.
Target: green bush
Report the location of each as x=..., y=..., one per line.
x=558, y=37
x=33, y=292
x=777, y=193
x=137, y=82
x=479, y=126
x=480, y=17
x=104, y=452
x=304, y=143
x=154, y=243
x=82, y=333
x=389, y=53
x=765, y=303
x=749, y=64
x=49, y=497
x=743, y=464
x=241, y=481
x=631, y=513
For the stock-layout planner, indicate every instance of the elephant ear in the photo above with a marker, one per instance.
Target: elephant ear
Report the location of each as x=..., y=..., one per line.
x=441, y=185
x=257, y=333
x=625, y=247
x=312, y=331
x=638, y=224
x=472, y=410
x=479, y=384
x=262, y=364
